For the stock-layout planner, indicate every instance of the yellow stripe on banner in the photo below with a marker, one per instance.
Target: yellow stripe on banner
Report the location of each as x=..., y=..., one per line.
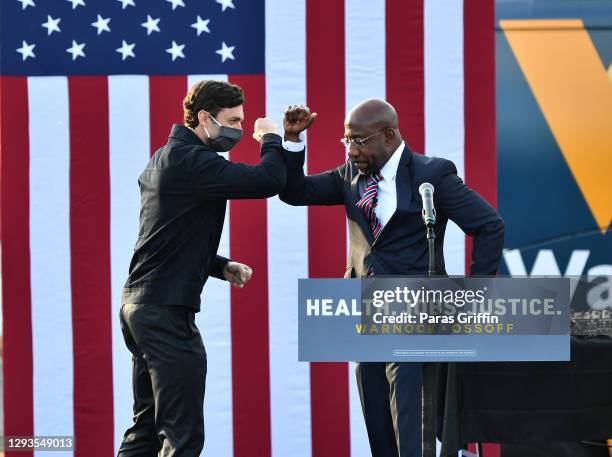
x=541, y=24
x=573, y=90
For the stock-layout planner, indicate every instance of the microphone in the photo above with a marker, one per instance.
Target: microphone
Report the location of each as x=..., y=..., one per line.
x=429, y=212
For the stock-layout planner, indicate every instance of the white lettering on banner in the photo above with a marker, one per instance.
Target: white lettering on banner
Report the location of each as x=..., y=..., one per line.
x=326, y=307
x=546, y=265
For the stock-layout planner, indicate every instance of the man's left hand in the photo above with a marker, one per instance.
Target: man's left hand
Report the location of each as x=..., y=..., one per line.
x=237, y=273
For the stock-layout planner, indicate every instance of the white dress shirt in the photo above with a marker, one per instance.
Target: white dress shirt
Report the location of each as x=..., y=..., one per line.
x=295, y=146
x=387, y=189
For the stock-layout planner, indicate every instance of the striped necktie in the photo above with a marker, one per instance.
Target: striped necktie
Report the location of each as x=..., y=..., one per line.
x=367, y=204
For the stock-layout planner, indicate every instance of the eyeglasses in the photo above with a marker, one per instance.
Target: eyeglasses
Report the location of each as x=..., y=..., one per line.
x=359, y=143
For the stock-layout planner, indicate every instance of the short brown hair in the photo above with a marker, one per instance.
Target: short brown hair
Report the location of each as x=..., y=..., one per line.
x=210, y=96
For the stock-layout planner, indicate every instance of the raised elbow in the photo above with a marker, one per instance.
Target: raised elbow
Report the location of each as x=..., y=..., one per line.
x=274, y=184
x=289, y=198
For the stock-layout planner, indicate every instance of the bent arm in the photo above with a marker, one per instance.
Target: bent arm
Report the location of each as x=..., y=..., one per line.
x=319, y=189
x=475, y=217
x=218, y=178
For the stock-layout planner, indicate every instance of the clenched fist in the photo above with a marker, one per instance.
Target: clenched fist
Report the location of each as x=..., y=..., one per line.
x=237, y=273
x=262, y=126
x=297, y=119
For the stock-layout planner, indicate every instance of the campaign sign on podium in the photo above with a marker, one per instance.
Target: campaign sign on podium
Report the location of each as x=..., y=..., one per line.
x=434, y=319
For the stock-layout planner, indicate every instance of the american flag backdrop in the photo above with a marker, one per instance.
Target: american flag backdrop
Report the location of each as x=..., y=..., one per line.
x=90, y=88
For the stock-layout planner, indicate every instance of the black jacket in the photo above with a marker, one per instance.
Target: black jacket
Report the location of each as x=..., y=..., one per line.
x=401, y=247
x=184, y=190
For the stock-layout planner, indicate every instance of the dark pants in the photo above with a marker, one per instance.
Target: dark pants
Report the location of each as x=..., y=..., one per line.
x=168, y=378
x=391, y=402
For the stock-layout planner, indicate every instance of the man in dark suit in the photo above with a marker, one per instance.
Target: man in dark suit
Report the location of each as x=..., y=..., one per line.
x=184, y=192
x=378, y=186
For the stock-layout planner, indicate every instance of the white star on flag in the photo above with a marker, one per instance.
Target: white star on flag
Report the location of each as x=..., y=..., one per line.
x=225, y=4
x=26, y=50
x=226, y=52
x=51, y=25
x=151, y=25
x=176, y=50
x=126, y=3
x=176, y=3
x=102, y=24
x=76, y=50
x=126, y=50
x=25, y=4
x=76, y=3
x=201, y=25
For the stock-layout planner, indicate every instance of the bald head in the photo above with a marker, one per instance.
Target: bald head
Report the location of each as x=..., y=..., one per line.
x=372, y=125
x=372, y=114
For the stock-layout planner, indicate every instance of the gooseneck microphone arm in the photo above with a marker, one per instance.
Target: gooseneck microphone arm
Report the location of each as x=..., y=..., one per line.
x=429, y=219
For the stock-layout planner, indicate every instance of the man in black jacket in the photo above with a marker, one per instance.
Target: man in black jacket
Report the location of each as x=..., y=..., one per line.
x=184, y=192
x=378, y=186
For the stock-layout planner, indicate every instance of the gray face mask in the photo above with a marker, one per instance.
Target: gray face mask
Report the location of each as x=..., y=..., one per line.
x=227, y=138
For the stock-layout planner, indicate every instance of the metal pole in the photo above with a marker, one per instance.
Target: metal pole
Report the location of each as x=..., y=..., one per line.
x=428, y=414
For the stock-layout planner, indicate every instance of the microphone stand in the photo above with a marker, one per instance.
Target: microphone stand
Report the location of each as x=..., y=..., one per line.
x=428, y=413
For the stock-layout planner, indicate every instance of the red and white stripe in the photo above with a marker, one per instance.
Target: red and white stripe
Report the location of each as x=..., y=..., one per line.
x=71, y=152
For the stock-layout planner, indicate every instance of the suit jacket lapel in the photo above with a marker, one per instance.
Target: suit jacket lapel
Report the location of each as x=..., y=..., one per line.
x=403, y=183
x=403, y=188
x=358, y=214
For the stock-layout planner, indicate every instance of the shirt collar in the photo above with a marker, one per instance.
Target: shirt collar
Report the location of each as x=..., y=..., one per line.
x=180, y=132
x=389, y=170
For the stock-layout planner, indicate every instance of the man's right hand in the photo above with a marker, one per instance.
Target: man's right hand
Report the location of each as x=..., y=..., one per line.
x=297, y=119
